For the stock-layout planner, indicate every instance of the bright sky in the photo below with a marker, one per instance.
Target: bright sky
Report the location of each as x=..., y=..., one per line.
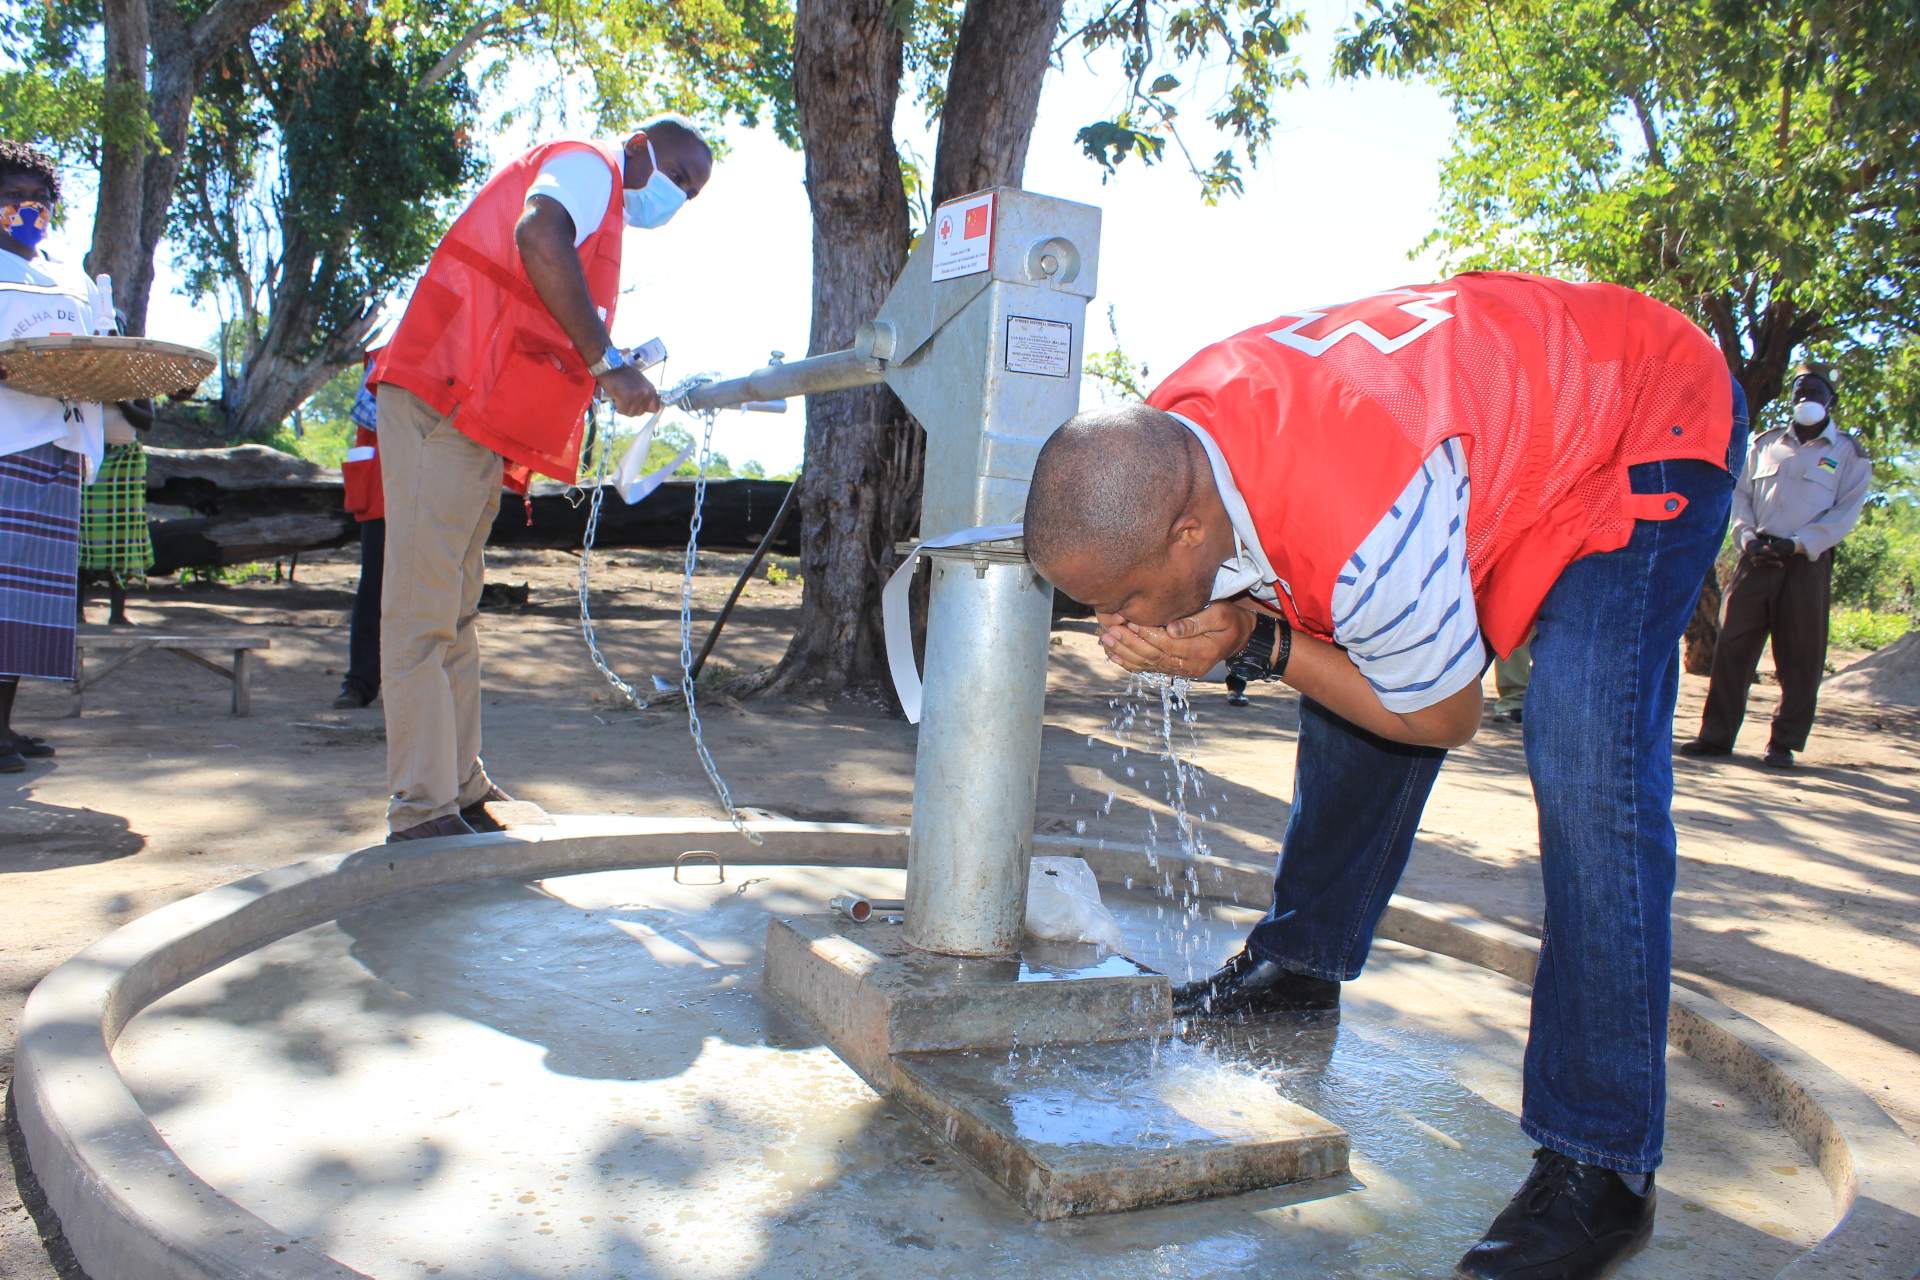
x=1349, y=188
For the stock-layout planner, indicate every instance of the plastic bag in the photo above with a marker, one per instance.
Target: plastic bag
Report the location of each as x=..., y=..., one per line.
x=1063, y=904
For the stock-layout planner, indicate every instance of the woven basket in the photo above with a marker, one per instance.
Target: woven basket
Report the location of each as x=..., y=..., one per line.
x=102, y=369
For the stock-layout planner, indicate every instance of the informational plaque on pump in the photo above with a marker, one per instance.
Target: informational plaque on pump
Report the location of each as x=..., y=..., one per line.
x=963, y=237
x=1039, y=346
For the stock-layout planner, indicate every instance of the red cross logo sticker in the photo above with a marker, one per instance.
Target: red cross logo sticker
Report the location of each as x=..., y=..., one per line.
x=1388, y=320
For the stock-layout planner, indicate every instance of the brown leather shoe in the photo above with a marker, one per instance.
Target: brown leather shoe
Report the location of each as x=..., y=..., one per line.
x=446, y=825
x=476, y=816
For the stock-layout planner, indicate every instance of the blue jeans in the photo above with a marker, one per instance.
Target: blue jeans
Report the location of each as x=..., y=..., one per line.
x=1599, y=738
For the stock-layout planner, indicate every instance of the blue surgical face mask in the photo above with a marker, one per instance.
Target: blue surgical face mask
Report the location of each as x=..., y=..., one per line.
x=26, y=221
x=653, y=206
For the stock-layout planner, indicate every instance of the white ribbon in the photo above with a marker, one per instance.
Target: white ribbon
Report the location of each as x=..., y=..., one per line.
x=895, y=617
x=628, y=480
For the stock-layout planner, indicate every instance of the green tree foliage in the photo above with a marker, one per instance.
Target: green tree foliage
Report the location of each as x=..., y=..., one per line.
x=1243, y=46
x=319, y=176
x=1752, y=162
x=1250, y=39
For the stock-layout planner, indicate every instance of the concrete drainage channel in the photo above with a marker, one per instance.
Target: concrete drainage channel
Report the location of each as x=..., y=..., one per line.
x=135, y=1210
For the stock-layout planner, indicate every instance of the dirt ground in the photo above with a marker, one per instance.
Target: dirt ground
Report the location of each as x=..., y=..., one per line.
x=1797, y=889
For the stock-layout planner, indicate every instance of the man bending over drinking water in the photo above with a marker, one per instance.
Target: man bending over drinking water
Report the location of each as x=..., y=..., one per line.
x=1366, y=501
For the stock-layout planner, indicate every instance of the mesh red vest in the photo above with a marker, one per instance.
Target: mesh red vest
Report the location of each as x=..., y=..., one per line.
x=477, y=338
x=1324, y=415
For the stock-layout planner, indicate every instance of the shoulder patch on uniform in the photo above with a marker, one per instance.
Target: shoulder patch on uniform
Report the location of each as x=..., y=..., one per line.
x=1859, y=450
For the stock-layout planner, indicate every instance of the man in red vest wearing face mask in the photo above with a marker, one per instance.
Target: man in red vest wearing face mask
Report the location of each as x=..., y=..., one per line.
x=1367, y=501
x=487, y=379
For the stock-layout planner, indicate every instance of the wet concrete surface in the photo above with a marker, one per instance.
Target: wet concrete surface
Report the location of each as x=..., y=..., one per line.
x=579, y=1077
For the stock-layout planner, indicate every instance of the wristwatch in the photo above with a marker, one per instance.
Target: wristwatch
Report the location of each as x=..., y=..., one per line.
x=1267, y=651
x=613, y=358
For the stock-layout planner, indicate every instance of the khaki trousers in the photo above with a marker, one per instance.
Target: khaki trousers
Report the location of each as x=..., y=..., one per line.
x=1511, y=676
x=442, y=493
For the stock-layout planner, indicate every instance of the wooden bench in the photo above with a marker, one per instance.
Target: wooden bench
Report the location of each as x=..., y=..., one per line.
x=131, y=644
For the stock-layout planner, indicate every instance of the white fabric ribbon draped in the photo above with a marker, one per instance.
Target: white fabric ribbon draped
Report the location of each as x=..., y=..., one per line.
x=895, y=615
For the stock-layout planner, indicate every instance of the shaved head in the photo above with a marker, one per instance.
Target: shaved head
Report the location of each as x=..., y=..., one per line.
x=1123, y=515
x=1108, y=487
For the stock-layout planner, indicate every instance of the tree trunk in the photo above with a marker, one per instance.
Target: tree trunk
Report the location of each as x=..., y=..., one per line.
x=993, y=94
x=860, y=485
x=116, y=220
x=1772, y=338
x=1703, y=631
x=290, y=361
x=181, y=56
x=860, y=491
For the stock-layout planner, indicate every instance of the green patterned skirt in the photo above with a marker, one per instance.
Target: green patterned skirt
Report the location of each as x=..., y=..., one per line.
x=113, y=514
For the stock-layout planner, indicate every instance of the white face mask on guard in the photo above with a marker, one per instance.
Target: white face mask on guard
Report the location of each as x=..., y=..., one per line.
x=1809, y=413
x=653, y=206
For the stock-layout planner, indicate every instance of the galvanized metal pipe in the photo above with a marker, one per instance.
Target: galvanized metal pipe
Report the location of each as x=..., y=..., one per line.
x=977, y=771
x=835, y=371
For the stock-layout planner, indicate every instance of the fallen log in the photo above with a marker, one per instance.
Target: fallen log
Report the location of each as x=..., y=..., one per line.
x=253, y=503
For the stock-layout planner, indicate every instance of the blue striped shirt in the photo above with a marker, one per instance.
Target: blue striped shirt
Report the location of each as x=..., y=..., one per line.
x=1403, y=606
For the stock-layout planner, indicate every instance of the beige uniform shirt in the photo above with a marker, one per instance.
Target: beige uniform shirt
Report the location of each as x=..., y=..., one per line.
x=1809, y=492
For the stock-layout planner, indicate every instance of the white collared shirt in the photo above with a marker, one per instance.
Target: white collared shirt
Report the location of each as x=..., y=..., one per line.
x=1403, y=606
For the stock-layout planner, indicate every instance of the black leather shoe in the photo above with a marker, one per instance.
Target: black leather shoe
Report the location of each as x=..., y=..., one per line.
x=352, y=698
x=1777, y=756
x=445, y=825
x=1701, y=747
x=476, y=816
x=31, y=748
x=1249, y=987
x=1570, y=1221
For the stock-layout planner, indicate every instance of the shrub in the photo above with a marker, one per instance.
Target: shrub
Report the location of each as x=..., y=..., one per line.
x=1865, y=629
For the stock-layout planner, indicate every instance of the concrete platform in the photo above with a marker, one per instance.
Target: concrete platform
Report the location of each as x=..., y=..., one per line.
x=1027, y=1091
x=1105, y=1128
x=870, y=995
x=582, y=1077
x=574, y=1075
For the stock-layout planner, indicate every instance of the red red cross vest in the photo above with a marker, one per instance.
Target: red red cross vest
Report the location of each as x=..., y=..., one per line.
x=1324, y=415
x=476, y=338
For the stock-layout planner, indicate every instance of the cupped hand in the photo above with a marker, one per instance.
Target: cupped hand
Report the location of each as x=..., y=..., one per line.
x=1189, y=647
x=632, y=394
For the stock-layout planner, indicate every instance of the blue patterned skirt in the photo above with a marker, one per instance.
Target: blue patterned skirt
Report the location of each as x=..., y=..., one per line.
x=39, y=561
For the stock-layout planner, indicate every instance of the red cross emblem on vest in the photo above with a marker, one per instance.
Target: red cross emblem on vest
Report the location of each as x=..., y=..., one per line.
x=1389, y=321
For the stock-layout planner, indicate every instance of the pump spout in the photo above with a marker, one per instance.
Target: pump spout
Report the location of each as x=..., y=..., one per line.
x=835, y=371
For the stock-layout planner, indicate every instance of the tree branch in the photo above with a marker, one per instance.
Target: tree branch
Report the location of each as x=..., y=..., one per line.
x=225, y=25
x=451, y=60
x=1656, y=155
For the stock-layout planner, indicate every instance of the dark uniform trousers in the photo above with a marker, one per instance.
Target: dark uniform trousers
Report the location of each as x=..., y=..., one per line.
x=1790, y=605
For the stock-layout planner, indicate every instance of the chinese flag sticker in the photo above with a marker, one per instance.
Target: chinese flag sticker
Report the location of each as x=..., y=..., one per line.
x=977, y=221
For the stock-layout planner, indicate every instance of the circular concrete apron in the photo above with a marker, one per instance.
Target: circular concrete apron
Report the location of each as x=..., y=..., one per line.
x=575, y=1075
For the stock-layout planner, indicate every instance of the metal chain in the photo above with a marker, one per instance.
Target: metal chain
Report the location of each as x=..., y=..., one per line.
x=674, y=396
x=679, y=392
x=586, y=565
x=686, y=635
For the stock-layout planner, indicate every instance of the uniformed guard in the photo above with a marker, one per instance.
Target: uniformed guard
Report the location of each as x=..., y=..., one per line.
x=1799, y=495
